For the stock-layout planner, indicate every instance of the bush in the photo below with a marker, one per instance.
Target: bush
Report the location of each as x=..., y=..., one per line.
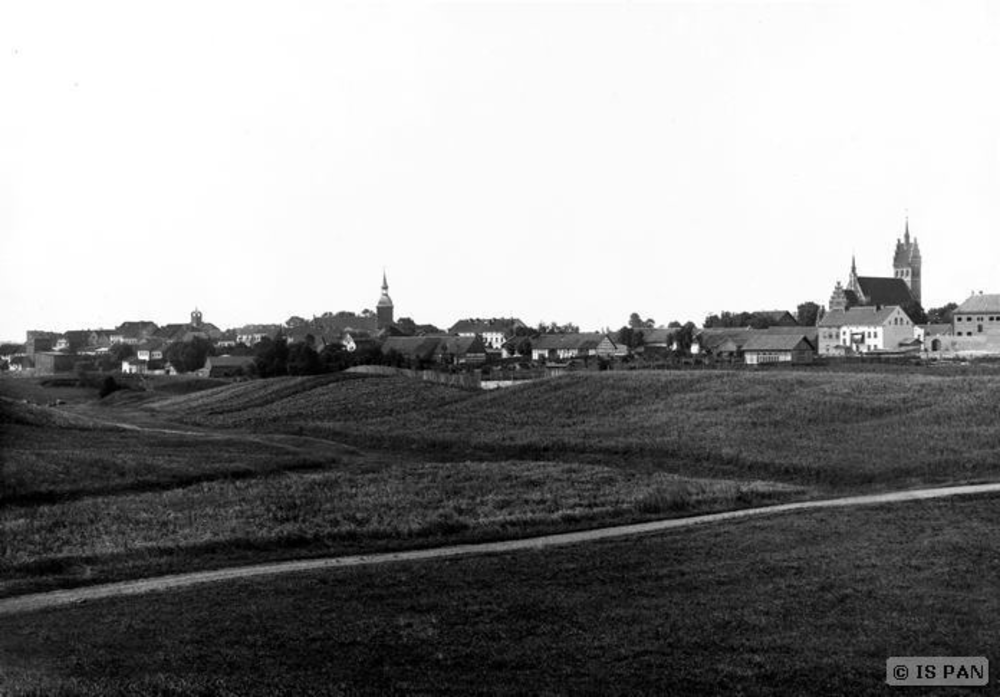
x=108, y=385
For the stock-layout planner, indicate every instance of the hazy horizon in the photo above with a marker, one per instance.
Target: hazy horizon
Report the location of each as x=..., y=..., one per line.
x=550, y=161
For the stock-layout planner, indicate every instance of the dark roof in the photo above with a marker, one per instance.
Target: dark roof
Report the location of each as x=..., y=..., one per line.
x=657, y=336
x=137, y=328
x=885, y=291
x=936, y=329
x=712, y=338
x=412, y=346
x=556, y=342
x=777, y=341
x=507, y=325
x=229, y=361
x=979, y=303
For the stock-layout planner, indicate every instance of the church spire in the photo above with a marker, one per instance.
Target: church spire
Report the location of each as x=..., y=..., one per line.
x=384, y=308
x=906, y=235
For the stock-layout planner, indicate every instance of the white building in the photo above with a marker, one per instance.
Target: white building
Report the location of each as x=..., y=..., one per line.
x=864, y=330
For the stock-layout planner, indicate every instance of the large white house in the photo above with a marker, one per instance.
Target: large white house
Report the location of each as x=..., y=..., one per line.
x=864, y=329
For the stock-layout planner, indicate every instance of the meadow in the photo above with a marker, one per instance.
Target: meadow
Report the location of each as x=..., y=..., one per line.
x=801, y=604
x=841, y=431
x=87, y=499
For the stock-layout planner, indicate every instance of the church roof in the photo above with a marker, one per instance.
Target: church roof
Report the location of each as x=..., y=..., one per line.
x=884, y=291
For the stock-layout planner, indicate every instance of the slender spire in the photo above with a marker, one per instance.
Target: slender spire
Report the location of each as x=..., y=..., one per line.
x=385, y=283
x=854, y=266
x=906, y=235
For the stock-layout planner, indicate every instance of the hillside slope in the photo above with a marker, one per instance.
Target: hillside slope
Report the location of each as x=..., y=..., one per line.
x=825, y=428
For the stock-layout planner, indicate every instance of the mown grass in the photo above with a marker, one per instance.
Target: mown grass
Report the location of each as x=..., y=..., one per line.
x=339, y=511
x=838, y=430
x=811, y=603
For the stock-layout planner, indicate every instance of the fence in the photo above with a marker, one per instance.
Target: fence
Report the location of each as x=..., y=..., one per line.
x=467, y=381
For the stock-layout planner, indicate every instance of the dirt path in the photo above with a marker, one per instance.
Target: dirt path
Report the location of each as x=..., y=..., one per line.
x=39, y=601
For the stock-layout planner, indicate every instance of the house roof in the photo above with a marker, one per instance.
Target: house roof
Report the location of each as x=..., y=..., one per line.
x=712, y=338
x=412, y=346
x=780, y=341
x=136, y=328
x=567, y=342
x=229, y=361
x=861, y=316
x=507, y=325
x=657, y=336
x=979, y=303
x=940, y=329
x=885, y=291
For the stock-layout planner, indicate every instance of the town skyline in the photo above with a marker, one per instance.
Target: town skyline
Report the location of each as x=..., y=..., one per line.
x=549, y=162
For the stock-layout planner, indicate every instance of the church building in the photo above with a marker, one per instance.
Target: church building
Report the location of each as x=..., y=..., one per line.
x=902, y=289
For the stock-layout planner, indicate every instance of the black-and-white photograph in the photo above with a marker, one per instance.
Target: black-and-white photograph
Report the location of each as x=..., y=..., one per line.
x=501, y=348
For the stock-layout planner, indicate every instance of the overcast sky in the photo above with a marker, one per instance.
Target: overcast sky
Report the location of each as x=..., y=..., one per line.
x=552, y=161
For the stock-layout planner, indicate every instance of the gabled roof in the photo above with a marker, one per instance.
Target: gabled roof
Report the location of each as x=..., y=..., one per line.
x=657, y=336
x=771, y=341
x=861, y=316
x=936, y=329
x=567, y=342
x=136, y=328
x=507, y=325
x=229, y=361
x=979, y=303
x=714, y=337
x=412, y=346
x=885, y=291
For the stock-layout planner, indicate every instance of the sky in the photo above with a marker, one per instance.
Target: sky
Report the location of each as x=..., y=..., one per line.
x=568, y=162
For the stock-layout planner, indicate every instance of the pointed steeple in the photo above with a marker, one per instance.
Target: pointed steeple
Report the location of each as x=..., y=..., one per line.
x=906, y=235
x=384, y=308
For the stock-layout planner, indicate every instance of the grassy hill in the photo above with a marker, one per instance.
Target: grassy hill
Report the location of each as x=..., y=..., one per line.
x=842, y=430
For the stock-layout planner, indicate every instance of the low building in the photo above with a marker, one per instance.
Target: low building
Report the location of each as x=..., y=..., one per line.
x=495, y=332
x=933, y=338
x=563, y=347
x=864, y=329
x=133, y=333
x=52, y=363
x=778, y=347
x=978, y=316
x=445, y=350
x=227, y=366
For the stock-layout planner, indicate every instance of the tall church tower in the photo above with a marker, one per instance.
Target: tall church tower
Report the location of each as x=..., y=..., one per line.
x=906, y=262
x=383, y=310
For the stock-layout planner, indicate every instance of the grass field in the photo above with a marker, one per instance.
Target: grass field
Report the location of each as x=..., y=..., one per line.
x=844, y=431
x=805, y=604
x=86, y=501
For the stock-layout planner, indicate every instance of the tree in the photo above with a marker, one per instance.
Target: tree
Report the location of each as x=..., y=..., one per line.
x=807, y=314
x=915, y=312
x=188, y=356
x=407, y=326
x=271, y=357
x=684, y=338
x=941, y=315
x=120, y=352
x=295, y=322
x=303, y=360
x=674, y=325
